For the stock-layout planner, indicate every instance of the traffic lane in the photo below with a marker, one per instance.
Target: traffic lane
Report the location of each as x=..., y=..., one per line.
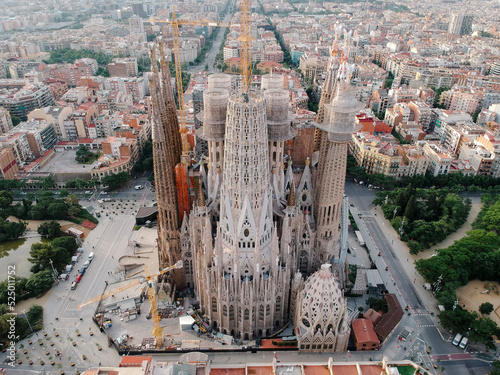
x=405, y=286
x=466, y=367
x=433, y=338
x=360, y=195
x=93, y=282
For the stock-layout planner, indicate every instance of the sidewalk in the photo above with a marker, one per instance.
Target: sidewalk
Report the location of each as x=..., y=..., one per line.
x=400, y=248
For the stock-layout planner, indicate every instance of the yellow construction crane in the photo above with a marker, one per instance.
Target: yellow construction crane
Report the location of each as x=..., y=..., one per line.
x=178, y=71
x=149, y=279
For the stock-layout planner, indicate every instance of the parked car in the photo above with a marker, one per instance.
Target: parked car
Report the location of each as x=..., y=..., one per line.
x=82, y=271
x=139, y=187
x=457, y=339
x=88, y=192
x=90, y=257
x=463, y=343
x=78, y=278
x=74, y=284
x=86, y=264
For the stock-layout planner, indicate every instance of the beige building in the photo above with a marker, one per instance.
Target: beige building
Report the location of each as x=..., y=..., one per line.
x=375, y=156
x=492, y=143
x=8, y=164
x=5, y=120
x=481, y=159
x=414, y=161
x=311, y=66
x=54, y=115
x=440, y=160
x=120, y=155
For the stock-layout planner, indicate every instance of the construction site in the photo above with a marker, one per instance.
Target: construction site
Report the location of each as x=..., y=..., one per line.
x=239, y=230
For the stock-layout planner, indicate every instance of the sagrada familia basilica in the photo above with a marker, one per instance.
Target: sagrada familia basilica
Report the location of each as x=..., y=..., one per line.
x=262, y=244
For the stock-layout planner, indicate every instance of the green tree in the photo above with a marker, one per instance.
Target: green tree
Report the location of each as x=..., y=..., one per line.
x=67, y=243
x=457, y=320
x=116, y=180
x=15, y=120
x=6, y=199
x=83, y=154
x=19, y=288
x=49, y=229
x=57, y=210
x=40, y=282
x=377, y=304
x=486, y=308
x=12, y=230
x=411, y=208
x=41, y=255
x=63, y=193
x=496, y=367
x=48, y=182
x=491, y=219
x=482, y=329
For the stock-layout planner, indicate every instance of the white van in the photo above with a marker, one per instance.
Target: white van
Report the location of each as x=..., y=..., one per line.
x=90, y=257
x=457, y=339
x=463, y=343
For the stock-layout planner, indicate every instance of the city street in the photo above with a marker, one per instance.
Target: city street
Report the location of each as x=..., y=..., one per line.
x=402, y=279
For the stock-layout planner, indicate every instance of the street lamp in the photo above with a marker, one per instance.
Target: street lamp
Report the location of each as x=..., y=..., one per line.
x=26, y=316
x=54, y=274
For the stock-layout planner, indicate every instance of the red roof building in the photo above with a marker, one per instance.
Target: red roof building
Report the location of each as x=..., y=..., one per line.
x=365, y=337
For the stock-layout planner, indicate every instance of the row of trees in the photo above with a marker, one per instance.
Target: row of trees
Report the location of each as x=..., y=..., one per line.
x=429, y=215
x=116, y=180
x=46, y=207
x=475, y=256
x=59, y=251
x=68, y=55
x=145, y=163
x=35, y=183
x=457, y=182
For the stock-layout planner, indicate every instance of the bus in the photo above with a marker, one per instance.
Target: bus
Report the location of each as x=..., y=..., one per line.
x=361, y=241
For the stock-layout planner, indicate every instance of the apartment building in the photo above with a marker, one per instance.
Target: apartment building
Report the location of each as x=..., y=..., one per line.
x=374, y=155
x=8, y=164
x=462, y=99
x=123, y=67
x=492, y=144
x=21, y=102
x=5, y=120
x=422, y=115
x=440, y=160
x=120, y=155
x=414, y=162
x=446, y=117
x=54, y=115
x=435, y=77
x=481, y=159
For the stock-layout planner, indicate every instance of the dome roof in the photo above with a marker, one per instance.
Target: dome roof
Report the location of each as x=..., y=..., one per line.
x=321, y=299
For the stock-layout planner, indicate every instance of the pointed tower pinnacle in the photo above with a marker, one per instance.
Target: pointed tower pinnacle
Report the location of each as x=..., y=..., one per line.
x=337, y=127
x=291, y=197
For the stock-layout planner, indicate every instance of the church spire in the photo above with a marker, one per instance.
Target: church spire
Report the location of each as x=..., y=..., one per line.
x=291, y=197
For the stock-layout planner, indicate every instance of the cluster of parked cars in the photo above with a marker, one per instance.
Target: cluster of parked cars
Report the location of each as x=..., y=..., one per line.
x=82, y=270
x=460, y=341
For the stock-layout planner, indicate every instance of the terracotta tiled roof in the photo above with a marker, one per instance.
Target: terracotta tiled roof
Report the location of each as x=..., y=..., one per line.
x=363, y=330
